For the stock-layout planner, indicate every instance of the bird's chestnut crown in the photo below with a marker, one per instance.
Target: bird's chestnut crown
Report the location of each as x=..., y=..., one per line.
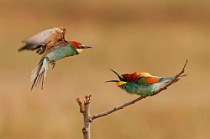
x=78, y=46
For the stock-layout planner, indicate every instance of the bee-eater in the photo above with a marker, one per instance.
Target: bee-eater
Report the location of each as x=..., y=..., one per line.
x=140, y=83
x=59, y=49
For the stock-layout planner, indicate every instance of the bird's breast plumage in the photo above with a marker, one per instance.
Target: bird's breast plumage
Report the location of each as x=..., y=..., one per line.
x=135, y=88
x=61, y=52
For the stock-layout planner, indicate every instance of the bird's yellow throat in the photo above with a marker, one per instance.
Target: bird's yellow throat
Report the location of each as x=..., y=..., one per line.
x=120, y=83
x=79, y=50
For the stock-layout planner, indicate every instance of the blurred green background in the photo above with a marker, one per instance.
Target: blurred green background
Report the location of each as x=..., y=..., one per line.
x=156, y=36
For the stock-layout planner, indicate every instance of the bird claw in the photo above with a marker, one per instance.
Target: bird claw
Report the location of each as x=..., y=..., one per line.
x=53, y=64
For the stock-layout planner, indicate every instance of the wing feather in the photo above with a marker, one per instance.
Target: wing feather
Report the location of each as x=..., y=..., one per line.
x=147, y=78
x=45, y=36
x=43, y=39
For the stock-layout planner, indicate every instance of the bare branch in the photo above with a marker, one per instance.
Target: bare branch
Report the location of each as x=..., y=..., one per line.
x=176, y=78
x=81, y=105
x=84, y=109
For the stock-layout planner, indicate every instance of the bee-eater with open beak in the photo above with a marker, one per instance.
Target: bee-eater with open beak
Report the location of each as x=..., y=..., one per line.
x=55, y=48
x=140, y=83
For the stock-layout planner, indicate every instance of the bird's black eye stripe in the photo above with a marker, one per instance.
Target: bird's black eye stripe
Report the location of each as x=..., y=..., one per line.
x=81, y=47
x=122, y=79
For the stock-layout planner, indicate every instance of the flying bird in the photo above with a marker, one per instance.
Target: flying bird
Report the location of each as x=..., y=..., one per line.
x=52, y=44
x=141, y=83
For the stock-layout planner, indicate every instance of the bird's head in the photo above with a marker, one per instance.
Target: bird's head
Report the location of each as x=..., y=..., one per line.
x=119, y=82
x=78, y=46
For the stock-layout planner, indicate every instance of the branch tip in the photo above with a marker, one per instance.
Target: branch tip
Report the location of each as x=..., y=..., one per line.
x=183, y=69
x=81, y=105
x=87, y=99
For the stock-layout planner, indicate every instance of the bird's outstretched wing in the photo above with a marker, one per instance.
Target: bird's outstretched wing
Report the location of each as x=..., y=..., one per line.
x=44, y=40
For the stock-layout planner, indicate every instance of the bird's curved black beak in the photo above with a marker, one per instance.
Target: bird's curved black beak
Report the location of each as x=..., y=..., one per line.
x=112, y=81
x=84, y=47
x=118, y=75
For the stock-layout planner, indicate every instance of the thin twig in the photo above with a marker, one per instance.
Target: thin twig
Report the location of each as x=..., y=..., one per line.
x=176, y=78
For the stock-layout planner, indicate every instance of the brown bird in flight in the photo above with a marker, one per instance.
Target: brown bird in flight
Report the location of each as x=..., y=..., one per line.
x=52, y=44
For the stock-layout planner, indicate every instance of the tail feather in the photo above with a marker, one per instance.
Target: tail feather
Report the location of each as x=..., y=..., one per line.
x=168, y=79
x=39, y=73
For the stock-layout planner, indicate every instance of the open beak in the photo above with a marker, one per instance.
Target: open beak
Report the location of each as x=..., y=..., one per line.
x=115, y=81
x=120, y=81
x=118, y=75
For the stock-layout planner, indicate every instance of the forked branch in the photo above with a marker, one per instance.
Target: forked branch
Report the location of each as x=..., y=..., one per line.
x=84, y=109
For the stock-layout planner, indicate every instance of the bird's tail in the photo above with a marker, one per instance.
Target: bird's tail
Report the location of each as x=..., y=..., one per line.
x=165, y=80
x=39, y=73
x=168, y=79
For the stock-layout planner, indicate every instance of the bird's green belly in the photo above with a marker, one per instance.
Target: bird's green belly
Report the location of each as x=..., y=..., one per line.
x=134, y=88
x=60, y=53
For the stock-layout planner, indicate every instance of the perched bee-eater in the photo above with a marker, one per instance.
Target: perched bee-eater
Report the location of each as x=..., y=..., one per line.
x=140, y=83
x=52, y=44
